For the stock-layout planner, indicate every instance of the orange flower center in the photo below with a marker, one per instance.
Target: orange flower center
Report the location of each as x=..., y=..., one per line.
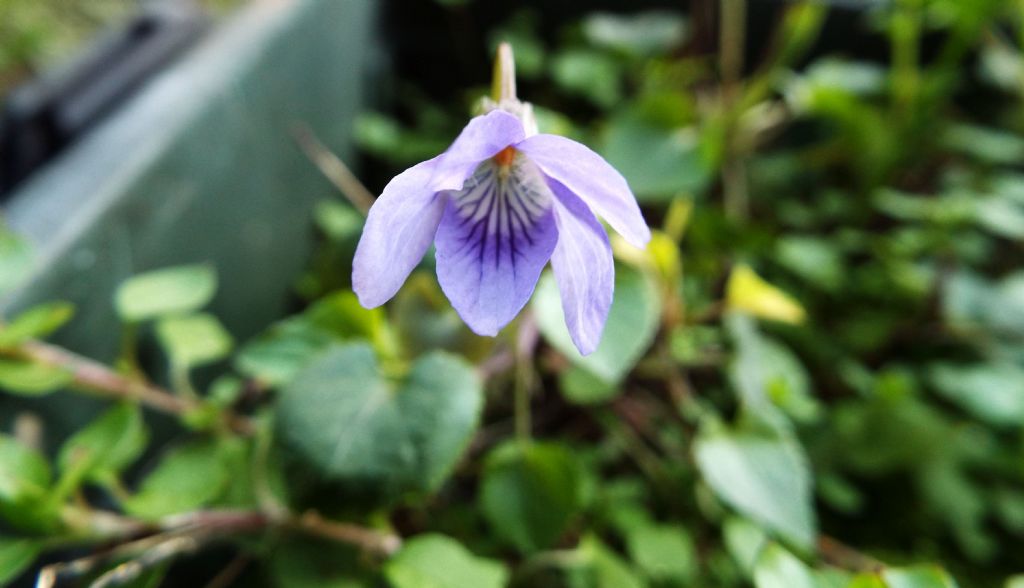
x=505, y=156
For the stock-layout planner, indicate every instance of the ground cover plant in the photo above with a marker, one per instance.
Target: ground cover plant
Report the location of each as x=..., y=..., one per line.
x=812, y=375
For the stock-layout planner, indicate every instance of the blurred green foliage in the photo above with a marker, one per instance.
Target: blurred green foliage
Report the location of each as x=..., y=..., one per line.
x=812, y=378
x=38, y=34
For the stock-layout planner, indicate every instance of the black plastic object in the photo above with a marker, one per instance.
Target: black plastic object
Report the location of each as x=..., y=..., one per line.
x=44, y=115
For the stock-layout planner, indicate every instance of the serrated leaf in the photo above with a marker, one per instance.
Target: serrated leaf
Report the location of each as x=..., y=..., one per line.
x=630, y=330
x=355, y=425
x=437, y=561
x=164, y=292
x=763, y=477
x=530, y=493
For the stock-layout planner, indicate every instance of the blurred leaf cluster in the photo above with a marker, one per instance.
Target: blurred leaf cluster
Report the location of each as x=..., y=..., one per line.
x=813, y=377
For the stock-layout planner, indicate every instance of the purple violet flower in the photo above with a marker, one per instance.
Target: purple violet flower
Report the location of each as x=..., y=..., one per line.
x=498, y=204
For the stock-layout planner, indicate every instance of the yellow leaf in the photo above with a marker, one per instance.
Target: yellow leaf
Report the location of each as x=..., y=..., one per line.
x=661, y=255
x=748, y=292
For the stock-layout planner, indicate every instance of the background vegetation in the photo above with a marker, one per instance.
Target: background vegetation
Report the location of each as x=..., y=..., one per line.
x=812, y=378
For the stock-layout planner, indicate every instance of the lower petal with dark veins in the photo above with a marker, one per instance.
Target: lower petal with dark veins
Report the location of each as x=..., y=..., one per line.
x=495, y=237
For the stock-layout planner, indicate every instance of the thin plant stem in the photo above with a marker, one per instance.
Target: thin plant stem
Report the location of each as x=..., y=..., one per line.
x=186, y=533
x=527, y=337
x=522, y=400
x=732, y=38
x=334, y=169
x=90, y=375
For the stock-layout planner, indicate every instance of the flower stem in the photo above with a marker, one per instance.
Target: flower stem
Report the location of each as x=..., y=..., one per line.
x=527, y=336
x=503, y=84
x=522, y=399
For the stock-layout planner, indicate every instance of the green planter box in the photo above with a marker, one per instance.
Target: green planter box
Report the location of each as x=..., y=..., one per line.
x=200, y=166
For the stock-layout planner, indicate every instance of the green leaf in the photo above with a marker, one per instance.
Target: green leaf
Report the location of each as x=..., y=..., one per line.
x=107, y=446
x=32, y=379
x=763, y=477
x=530, y=493
x=338, y=221
x=188, y=477
x=36, y=323
x=1001, y=216
x=630, y=330
x=355, y=425
x=276, y=356
x=918, y=577
x=641, y=34
x=605, y=569
x=385, y=137
x=856, y=77
x=163, y=292
x=590, y=74
x=193, y=340
x=25, y=480
x=814, y=259
x=987, y=145
x=866, y=581
x=301, y=562
x=778, y=568
x=660, y=163
x=693, y=344
x=663, y=552
x=994, y=392
x=767, y=374
x=437, y=561
x=16, y=556
x=745, y=542
x=582, y=387
x=342, y=315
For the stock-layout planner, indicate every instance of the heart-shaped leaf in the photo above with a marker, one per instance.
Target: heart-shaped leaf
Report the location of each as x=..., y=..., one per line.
x=355, y=425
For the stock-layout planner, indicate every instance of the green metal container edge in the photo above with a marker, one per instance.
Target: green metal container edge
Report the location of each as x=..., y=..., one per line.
x=199, y=166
